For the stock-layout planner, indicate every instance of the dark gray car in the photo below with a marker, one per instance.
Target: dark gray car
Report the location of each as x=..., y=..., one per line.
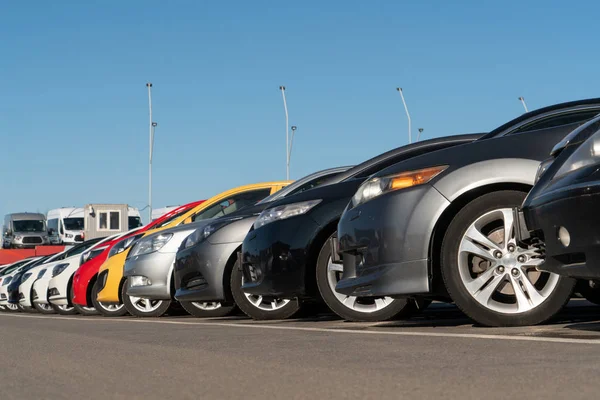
x=441, y=226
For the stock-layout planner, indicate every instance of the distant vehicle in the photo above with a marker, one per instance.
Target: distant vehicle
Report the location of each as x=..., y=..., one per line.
x=65, y=225
x=24, y=230
x=134, y=218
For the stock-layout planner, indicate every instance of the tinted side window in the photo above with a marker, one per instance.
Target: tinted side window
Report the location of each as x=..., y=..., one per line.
x=234, y=203
x=53, y=224
x=558, y=120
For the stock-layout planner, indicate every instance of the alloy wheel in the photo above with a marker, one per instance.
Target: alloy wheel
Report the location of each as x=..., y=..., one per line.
x=145, y=305
x=111, y=307
x=45, y=306
x=265, y=303
x=359, y=304
x=207, y=306
x=496, y=272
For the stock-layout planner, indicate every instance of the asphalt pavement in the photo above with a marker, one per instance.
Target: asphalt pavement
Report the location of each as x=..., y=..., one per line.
x=440, y=354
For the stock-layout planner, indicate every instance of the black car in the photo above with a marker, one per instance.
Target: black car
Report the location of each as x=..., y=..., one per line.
x=287, y=253
x=441, y=226
x=560, y=214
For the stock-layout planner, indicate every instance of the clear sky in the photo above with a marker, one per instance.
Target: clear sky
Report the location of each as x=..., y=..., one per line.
x=73, y=100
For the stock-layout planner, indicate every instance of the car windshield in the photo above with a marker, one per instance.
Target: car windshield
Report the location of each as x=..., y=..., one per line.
x=73, y=224
x=134, y=222
x=28, y=226
x=171, y=218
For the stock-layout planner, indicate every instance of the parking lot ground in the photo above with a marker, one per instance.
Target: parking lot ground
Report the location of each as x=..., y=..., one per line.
x=440, y=354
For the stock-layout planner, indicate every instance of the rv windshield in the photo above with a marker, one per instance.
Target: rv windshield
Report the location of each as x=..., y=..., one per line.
x=73, y=224
x=29, y=226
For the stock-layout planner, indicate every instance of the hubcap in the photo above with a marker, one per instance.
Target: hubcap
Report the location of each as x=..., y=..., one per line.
x=145, y=305
x=111, y=307
x=359, y=304
x=65, y=308
x=207, y=306
x=498, y=273
x=265, y=303
x=45, y=306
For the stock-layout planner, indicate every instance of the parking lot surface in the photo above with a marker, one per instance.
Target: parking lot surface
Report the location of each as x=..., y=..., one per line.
x=440, y=354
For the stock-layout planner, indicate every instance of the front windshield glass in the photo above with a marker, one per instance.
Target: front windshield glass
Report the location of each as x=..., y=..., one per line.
x=29, y=226
x=73, y=224
x=134, y=222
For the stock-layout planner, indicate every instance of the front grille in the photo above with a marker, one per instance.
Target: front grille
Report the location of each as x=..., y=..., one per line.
x=32, y=240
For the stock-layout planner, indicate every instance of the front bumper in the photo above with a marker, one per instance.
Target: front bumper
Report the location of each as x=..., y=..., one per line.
x=110, y=277
x=384, y=243
x=157, y=267
x=40, y=290
x=575, y=212
x=25, y=292
x=199, y=271
x=274, y=257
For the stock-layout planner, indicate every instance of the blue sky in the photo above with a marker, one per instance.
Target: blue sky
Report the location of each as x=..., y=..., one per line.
x=73, y=101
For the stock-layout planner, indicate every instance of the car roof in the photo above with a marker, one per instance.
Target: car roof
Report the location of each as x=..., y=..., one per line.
x=24, y=216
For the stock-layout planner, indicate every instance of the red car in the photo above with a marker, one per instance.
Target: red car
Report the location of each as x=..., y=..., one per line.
x=86, y=275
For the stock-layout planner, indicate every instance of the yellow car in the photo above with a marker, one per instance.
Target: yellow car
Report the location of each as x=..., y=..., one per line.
x=110, y=275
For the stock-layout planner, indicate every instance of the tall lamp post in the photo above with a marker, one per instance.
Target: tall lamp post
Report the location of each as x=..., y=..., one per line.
x=522, y=99
x=407, y=114
x=419, y=135
x=152, y=127
x=287, y=135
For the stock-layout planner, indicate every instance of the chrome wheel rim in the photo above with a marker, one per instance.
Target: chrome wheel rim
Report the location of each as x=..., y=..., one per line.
x=359, y=304
x=496, y=272
x=207, y=305
x=44, y=306
x=12, y=307
x=145, y=305
x=111, y=307
x=65, y=308
x=265, y=303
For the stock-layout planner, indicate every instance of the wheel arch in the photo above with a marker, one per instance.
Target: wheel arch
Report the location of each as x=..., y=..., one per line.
x=88, y=290
x=227, y=275
x=441, y=226
x=310, y=280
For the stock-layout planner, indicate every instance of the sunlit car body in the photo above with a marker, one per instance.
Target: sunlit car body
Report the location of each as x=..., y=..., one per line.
x=87, y=273
x=150, y=276
x=6, y=277
x=110, y=275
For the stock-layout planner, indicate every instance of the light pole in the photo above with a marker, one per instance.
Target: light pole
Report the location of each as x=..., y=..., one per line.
x=522, y=99
x=407, y=114
x=287, y=140
x=152, y=127
x=419, y=135
x=294, y=127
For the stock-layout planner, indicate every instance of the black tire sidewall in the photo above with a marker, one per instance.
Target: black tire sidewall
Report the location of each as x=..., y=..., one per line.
x=456, y=289
x=222, y=311
x=79, y=308
x=285, y=312
x=395, y=309
x=131, y=309
x=104, y=312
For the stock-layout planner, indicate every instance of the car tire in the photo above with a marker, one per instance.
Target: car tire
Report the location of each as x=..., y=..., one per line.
x=481, y=272
x=44, y=308
x=87, y=311
x=354, y=308
x=280, y=308
x=590, y=290
x=106, y=310
x=213, y=309
x=144, y=308
x=13, y=308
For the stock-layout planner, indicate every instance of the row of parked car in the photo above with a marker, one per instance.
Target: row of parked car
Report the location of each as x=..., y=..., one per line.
x=434, y=220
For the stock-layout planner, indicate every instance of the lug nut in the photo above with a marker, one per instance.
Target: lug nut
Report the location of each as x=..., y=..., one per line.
x=521, y=259
x=515, y=272
x=498, y=254
x=500, y=269
x=511, y=247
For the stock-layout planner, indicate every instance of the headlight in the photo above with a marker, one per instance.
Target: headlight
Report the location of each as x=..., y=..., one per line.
x=201, y=234
x=69, y=235
x=25, y=277
x=377, y=186
x=41, y=273
x=6, y=281
x=283, y=212
x=58, y=269
x=588, y=153
x=150, y=245
x=123, y=245
x=542, y=168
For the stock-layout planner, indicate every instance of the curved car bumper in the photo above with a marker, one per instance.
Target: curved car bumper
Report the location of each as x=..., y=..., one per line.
x=384, y=243
x=199, y=271
x=40, y=289
x=25, y=292
x=157, y=267
x=578, y=214
x=113, y=271
x=58, y=287
x=274, y=257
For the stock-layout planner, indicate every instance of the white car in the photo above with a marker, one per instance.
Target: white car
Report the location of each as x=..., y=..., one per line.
x=59, y=284
x=29, y=278
x=7, y=275
x=39, y=292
